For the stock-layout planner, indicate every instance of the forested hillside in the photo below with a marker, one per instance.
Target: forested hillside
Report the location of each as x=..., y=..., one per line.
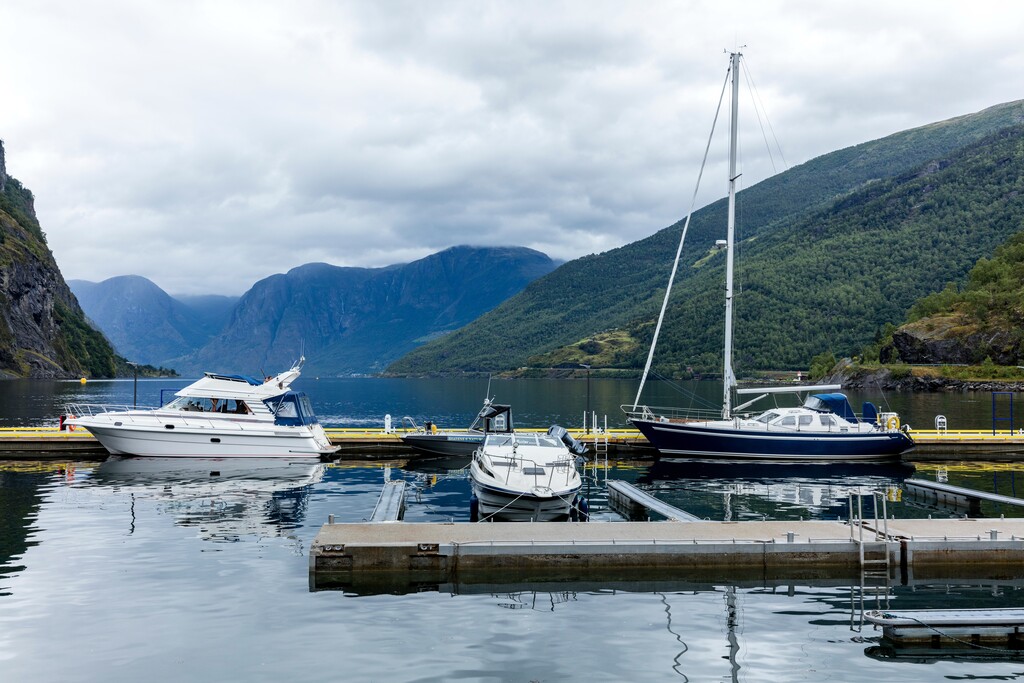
x=829, y=251
x=981, y=321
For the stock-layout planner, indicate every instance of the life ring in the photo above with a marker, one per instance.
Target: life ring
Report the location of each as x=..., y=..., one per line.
x=893, y=423
x=71, y=427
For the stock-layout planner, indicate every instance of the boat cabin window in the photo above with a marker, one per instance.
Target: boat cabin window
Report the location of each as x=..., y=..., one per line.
x=209, y=405
x=827, y=420
x=767, y=417
x=806, y=420
x=788, y=421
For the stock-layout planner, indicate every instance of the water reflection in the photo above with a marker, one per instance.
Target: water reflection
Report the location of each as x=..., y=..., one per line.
x=20, y=498
x=168, y=604
x=750, y=491
x=226, y=498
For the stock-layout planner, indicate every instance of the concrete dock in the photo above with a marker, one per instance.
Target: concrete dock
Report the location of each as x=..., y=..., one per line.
x=375, y=555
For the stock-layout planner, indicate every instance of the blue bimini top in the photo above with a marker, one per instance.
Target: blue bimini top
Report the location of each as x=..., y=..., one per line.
x=833, y=403
x=291, y=409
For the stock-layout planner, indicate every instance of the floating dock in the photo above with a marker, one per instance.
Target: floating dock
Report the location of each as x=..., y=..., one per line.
x=39, y=442
x=940, y=493
x=374, y=444
x=633, y=502
x=992, y=632
x=391, y=504
x=378, y=555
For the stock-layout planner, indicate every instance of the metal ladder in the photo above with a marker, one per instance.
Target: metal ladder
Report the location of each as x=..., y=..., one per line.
x=874, y=571
x=600, y=442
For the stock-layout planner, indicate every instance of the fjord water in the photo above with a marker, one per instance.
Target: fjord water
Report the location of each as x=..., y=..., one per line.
x=117, y=571
x=363, y=401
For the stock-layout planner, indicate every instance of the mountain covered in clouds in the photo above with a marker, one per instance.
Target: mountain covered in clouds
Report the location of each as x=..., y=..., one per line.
x=146, y=324
x=357, y=320
x=828, y=252
x=345, y=320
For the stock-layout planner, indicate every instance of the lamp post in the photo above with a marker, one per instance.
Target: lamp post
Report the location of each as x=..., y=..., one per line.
x=135, y=384
x=586, y=416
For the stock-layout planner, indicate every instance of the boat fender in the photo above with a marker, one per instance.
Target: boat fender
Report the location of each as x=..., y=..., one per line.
x=474, y=508
x=584, y=510
x=893, y=423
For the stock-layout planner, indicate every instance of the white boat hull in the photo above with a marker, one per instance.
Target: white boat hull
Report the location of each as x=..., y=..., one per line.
x=278, y=442
x=524, y=478
x=513, y=506
x=218, y=416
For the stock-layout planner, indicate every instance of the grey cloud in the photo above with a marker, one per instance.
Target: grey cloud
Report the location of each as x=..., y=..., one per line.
x=209, y=145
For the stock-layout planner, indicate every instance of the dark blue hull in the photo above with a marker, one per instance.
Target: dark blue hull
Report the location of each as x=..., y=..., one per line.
x=443, y=445
x=693, y=440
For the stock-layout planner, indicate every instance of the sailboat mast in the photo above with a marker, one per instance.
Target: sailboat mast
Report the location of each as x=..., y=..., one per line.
x=728, y=379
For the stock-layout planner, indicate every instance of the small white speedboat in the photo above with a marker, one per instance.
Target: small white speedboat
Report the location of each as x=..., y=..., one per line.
x=524, y=477
x=219, y=416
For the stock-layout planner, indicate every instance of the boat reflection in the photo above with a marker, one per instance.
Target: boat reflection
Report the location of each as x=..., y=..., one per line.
x=226, y=498
x=728, y=491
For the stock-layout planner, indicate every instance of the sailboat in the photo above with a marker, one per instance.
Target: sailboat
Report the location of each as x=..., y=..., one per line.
x=823, y=429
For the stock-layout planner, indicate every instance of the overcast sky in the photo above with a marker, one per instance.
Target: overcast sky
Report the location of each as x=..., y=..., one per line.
x=206, y=145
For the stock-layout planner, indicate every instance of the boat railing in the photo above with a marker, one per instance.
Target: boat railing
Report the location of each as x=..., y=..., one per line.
x=94, y=409
x=667, y=414
x=409, y=425
x=547, y=470
x=149, y=415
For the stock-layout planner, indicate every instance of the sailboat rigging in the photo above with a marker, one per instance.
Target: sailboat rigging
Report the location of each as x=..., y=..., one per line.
x=823, y=429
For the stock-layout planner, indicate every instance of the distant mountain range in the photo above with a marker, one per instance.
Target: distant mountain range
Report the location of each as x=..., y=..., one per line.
x=146, y=324
x=828, y=253
x=345, y=320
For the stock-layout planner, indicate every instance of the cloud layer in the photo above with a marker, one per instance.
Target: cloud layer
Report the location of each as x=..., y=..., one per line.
x=206, y=145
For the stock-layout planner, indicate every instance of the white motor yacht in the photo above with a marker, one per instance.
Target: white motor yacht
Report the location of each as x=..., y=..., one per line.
x=524, y=477
x=216, y=417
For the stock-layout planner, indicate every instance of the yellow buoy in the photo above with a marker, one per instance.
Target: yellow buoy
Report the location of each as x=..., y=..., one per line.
x=83, y=380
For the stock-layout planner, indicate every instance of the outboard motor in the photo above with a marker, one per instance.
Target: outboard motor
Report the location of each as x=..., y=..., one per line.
x=572, y=444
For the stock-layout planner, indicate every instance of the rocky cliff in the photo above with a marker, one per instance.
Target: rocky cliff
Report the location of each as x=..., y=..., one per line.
x=43, y=332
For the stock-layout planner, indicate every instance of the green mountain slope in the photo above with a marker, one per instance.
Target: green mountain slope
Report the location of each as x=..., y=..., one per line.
x=828, y=281
x=799, y=232
x=43, y=332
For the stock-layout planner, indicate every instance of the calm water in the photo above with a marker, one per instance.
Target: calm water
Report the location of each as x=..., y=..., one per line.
x=361, y=402
x=121, y=571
